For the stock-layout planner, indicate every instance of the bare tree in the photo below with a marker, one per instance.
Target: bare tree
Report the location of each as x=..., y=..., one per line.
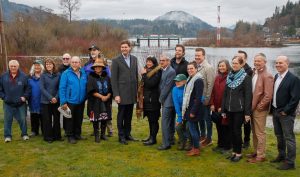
x=69, y=6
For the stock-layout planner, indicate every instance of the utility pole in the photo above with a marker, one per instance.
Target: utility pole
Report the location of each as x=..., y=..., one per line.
x=3, y=52
x=219, y=29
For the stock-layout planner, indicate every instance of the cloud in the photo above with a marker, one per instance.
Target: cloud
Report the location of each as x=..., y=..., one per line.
x=231, y=10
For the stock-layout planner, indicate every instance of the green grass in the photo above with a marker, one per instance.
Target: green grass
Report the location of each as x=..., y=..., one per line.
x=36, y=158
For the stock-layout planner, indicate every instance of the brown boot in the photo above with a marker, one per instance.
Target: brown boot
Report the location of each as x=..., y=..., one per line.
x=191, y=152
x=196, y=151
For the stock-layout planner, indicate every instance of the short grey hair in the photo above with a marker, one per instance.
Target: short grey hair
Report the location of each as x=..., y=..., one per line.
x=13, y=62
x=165, y=56
x=75, y=58
x=262, y=55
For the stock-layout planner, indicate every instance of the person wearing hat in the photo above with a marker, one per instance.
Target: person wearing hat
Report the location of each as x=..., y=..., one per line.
x=36, y=70
x=177, y=95
x=151, y=75
x=95, y=53
x=99, y=94
x=49, y=98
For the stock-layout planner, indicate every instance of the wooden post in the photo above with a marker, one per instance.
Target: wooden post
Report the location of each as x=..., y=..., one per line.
x=3, y=54
x=158, y=42
x=148, y=41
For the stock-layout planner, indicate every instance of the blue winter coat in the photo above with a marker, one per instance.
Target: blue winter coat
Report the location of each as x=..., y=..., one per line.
x=177, y=95
x=11, y=91
x=71, y=88
x=35, y=96
x=49, y=87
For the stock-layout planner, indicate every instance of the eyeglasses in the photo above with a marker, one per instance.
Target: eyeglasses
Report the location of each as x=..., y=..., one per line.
x=66, y=58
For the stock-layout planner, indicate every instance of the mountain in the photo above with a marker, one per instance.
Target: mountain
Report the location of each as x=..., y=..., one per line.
x=173, y=22
x=11, y=8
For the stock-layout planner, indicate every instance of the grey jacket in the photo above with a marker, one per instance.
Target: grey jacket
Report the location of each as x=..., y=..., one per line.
x=124, y=80
x=165, y=86
x=208, y=76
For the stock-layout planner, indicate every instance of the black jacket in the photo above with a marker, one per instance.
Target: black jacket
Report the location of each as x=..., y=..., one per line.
x=288, y=94
x=102, y=85
x=238, y=99
x=248, y=70
x=151, y=91
x=195, y=105
x=180, y=68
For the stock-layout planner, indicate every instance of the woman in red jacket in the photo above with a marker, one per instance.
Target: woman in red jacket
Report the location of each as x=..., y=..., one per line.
x=224, y=142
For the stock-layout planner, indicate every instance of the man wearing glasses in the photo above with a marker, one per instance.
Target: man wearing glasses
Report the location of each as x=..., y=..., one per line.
x=65, y=63
x=168, y=111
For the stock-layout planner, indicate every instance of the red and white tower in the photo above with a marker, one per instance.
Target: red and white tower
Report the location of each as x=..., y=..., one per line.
x=219, y=29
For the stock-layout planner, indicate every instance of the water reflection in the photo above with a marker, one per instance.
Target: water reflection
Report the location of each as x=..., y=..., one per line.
x=214, y=55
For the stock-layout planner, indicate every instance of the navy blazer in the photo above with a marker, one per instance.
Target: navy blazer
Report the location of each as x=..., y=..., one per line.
x=288, y=94
x=165, y=86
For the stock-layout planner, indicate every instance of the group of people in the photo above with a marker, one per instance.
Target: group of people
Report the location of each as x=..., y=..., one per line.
x=188, y=96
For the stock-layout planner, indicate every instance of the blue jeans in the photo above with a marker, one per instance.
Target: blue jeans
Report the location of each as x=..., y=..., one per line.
x=194, y=131
x=206, y=123
x=167, y=125
x=19, y=113
x=284, y=131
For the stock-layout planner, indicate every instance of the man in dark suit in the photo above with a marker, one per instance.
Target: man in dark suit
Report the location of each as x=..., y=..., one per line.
x=124, y=77
x=247, y=125
x=168, y=111
x=285, y=100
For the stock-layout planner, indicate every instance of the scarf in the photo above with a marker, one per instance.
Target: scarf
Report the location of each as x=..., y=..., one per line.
x=188, y=91
x=236, y=79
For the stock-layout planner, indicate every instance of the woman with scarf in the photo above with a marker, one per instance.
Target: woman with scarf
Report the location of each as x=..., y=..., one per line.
x=99, y=94
x=151, y=75
x=224, y=140
x=236, y=104
x=192, y=106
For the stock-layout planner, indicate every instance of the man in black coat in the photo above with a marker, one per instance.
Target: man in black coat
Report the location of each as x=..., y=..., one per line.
x=247, y=125
x=178, y=63
x=285, y=100
x=124, y=81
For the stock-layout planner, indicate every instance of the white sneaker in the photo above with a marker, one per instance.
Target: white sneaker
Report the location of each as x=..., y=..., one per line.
x=65, y=113
x=25, y=137
x=7, y=139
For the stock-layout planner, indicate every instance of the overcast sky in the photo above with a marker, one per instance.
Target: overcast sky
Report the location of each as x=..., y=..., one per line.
x=206, y=10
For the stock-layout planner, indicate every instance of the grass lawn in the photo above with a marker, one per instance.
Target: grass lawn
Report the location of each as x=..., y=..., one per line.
x=36, y=158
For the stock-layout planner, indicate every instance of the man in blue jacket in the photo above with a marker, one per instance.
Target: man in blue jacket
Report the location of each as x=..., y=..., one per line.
x=14, y=91
x=72, y=94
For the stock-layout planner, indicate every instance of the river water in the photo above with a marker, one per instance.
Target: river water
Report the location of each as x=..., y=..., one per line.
x=213, y=55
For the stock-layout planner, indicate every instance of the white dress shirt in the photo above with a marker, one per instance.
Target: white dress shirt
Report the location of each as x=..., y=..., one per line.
x=276, y=85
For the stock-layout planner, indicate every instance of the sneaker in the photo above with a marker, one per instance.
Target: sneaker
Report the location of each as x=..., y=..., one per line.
x=66, y=113
x=25, y=137
x=7, y=139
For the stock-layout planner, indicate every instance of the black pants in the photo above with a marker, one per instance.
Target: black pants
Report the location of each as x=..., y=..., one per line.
x=153, y=117
x=51, y=122
x=247, y=131
x=236, y=120
x=73, y=125
x=36, y=122
x=102, y=125
x=224, y=136
x=124, y=118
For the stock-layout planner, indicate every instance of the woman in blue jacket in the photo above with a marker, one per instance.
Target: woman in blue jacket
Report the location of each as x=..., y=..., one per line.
x=49, y=99
x=72, y=95
x=35, y=97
